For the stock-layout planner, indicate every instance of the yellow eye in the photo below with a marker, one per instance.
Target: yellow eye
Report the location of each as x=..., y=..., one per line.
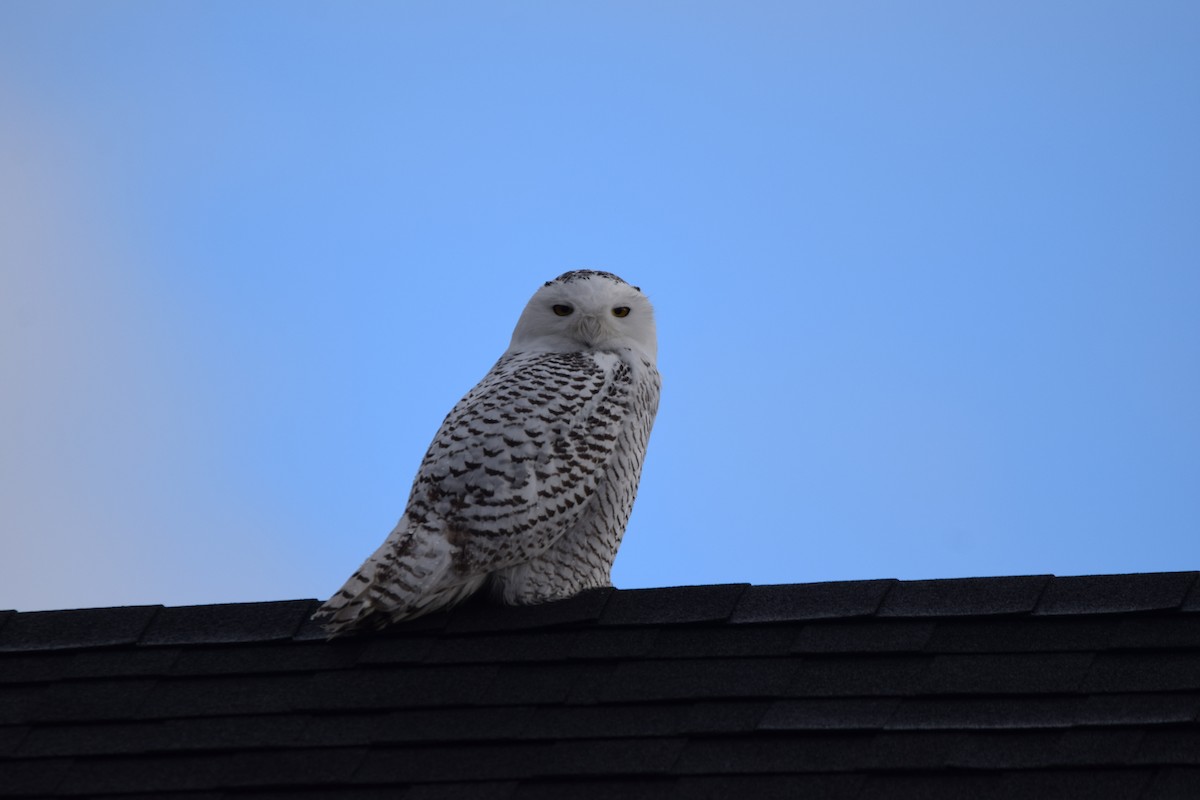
x=561, y=310
x=621, y=311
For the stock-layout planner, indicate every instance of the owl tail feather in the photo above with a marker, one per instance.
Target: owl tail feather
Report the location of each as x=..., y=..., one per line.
x=396, y=584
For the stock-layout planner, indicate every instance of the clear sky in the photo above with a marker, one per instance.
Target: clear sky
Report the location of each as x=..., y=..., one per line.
x=927, y=277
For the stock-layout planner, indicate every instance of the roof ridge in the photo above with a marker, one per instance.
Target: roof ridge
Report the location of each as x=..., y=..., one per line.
x=740, y=603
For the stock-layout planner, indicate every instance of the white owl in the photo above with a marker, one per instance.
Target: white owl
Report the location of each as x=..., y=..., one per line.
x=529, y=483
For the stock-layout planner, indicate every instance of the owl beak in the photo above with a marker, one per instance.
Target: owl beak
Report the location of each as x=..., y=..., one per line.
x=589, y=329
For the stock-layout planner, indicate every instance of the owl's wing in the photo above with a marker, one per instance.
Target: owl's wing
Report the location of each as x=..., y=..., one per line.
x=510, y=471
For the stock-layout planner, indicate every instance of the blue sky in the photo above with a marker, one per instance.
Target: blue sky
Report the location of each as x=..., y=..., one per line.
x=927, y=277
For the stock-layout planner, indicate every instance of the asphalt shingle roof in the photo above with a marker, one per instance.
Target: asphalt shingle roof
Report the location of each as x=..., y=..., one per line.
x=1031, y=686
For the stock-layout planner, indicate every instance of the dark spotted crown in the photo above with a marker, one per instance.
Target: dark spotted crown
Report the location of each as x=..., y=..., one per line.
x=581, y=274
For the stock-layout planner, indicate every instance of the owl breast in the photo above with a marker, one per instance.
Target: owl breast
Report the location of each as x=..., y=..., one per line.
x=582, y=557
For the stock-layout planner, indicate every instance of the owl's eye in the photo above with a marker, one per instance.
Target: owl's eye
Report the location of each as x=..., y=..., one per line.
x=621, y=311
x=562, y=310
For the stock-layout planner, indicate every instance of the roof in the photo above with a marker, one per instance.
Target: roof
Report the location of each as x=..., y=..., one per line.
x=1016, y=686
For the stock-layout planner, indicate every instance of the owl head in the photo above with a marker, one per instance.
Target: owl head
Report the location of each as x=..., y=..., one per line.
x=587, y=310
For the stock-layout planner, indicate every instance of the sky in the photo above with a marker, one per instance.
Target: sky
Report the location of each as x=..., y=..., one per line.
x=926, y=276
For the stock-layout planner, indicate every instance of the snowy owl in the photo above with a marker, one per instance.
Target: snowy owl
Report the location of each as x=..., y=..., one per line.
x=529, y=483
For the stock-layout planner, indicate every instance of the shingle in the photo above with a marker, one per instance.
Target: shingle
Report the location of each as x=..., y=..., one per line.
x=459, y=791
x=674, y=605
x=984, y=713
x=850, y=713
x=1138, y=709
x=11, y=738
x=477, y=617
x=334, y=729
x=864, y=636
x=1192, y=602
x=937, y=785
x=244, y=733
x=914, y=750
x=17, y=703
x=155, y=774
x=795, y=602
x=650, y=719
x=836, y=751
x=1089, y=784
x=215, y=794
x=774, y=787
x=125, y=662
x=302, y=768
x=496, y=761
x=590, y=686
x=517, y=684
x=699, y=678
x=1110, y=594
x=327, y=792
x=1144, y=672
x=229, y=623
x=1002, y=785
x=851, y=676
x=403, y=687
x=963, y=596
x=1176, y=783
x=1098, y=747
x=108, y=699
x=1022, y=634
x=214, y=733
x=1179, y=747
x=93, y=739
x=212, y=697
x=250, y=658
x=611, y=643
x=1004, y=673
x=595, y=789
x=1039, y=749
x=34, y=667
x=18, y=778
x=92, y=627
x=1171, y=631
x=193, y=772
x=439, y=725
x=722, y=641
x=608, y=721
x=553, y=645
x=725, y=716
x=407, y=650
x=375, y=689
x=611, y=757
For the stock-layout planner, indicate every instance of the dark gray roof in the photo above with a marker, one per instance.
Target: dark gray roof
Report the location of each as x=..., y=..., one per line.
x=1084, y=687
